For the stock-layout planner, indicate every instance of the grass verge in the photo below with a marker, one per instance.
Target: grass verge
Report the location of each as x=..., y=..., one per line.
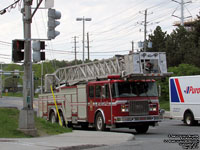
x=9, y=124
x=13, y=94
x=17, y=94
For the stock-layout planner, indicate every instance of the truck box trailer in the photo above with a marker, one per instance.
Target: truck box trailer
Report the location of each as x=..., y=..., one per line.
x=185, y=98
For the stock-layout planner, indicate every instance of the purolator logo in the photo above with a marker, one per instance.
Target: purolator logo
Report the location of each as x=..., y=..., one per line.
x=192, y=90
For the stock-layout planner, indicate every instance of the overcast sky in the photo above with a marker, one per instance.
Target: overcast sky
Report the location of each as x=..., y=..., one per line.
x=115, y=23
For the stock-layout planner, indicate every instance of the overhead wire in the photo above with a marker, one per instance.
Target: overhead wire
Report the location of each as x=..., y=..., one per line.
x=11, y=6
x=115, y=32
x=122, y=28
x=129, y=31
x=116, y=14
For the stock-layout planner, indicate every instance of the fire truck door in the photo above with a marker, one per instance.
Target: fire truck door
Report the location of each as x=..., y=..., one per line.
x=110, y=90
x=91, y=103
x=105, y=105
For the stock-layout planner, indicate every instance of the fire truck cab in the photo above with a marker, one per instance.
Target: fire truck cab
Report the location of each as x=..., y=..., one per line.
x=132, y=104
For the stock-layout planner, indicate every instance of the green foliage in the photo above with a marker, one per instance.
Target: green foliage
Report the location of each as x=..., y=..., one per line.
x=164, y=105
x=9, y=124
x=158, y=38
x=12, y=67
x=48, y=128
x=17, y=94
x=11, y=80
x=185, y=70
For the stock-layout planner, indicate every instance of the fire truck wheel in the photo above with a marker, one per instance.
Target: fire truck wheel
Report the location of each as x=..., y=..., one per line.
x=189, y=119
x=69, y=125
x=99, y=122
x=53, y=117
x=142, y=129
x=62, y=119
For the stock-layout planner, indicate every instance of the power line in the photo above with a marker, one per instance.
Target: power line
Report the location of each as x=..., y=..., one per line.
x=118, y=13
x=64, y=51
x=5, y=42
x=4, y=55
x=11, y=6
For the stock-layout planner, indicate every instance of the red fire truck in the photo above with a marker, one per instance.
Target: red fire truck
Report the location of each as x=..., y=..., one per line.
x=126, y=97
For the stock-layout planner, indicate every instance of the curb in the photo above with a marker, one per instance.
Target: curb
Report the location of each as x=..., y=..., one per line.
x=167, y=115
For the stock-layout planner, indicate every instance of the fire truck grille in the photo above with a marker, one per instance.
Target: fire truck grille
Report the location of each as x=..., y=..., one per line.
x=137, y=108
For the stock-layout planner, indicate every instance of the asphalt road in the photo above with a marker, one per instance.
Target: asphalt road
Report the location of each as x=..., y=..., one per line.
x=11, y=102
x=15, y=102
x=169, y=135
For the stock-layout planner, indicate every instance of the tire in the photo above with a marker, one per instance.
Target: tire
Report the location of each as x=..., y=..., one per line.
x=62, y=120
x=69, y=125
x=142, y=129
x=53, y=118
x=189, y=119
x=99, y=122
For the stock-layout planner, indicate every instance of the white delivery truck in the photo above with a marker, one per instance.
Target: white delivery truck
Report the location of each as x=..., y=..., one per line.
x=185, y=98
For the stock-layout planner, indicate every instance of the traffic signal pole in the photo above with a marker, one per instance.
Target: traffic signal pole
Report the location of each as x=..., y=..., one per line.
x=26, y=118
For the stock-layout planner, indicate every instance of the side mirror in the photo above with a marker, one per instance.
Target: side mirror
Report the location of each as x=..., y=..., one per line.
x=103, y=92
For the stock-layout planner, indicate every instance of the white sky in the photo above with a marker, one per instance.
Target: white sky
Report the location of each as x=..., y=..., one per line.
x=115, y=23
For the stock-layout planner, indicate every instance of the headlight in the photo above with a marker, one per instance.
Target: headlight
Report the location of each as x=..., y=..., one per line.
x=152, y=107
x=124, y=108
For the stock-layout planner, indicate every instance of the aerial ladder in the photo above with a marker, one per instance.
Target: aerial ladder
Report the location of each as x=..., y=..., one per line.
x=139, y=65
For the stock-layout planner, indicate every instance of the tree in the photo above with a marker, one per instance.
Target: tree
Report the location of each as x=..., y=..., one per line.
x=181, y=46
x=158, y=39
x=196, y=32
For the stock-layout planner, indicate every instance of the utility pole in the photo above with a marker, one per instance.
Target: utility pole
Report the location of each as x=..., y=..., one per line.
x=145, y=30
x=132, y=43
x=1, y=79
x=42, y=74
x=75, y=41
x=26, y=118
x=88, y=45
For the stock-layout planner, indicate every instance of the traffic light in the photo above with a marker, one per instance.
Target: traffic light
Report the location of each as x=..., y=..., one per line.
x=38, y=55
x=16, y=77
x=53, y=15
x=36, y=78
x=17, y=47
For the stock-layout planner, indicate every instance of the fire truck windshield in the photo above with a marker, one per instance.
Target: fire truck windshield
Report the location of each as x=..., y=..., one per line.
x=132, y=89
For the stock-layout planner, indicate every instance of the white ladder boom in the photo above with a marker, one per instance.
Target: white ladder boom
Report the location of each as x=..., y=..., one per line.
x=135, y=65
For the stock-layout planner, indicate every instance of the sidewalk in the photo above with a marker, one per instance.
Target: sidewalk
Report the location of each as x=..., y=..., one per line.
x=59, y=142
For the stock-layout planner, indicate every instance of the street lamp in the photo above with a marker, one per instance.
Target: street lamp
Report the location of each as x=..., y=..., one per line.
x=83, y=19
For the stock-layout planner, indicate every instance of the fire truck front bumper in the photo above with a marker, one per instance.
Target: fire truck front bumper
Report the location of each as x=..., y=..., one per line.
x=132, y=119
